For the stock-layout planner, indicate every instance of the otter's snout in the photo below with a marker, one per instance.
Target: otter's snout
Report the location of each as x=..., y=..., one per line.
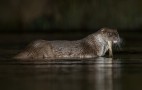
x=116, y=40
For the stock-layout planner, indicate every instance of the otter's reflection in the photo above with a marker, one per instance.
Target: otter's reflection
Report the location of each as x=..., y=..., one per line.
x=103, y=74
x=106, y=73
x=93, y=74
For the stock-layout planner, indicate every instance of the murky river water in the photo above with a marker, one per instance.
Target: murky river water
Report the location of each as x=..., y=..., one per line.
x=123, y=72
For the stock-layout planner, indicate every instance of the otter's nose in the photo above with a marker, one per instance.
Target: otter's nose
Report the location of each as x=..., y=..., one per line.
x=116, y=40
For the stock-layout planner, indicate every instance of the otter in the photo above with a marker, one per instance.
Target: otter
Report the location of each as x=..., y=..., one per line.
x=94, y=45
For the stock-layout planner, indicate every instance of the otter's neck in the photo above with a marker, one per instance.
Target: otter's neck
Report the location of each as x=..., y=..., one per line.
x=97, y=43
x=102, y=45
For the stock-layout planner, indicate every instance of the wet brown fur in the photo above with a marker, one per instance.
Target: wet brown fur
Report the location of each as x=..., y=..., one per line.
x=93, y=45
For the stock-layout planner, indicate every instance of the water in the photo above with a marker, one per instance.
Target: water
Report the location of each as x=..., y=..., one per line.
x=123, y=72
x=92, y=74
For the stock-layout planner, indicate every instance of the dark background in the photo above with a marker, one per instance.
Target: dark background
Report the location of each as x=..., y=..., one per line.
x=24, y=21
x=69, y=15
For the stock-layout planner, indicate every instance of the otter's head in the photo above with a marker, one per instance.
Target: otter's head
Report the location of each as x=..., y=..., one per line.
x=110, y=35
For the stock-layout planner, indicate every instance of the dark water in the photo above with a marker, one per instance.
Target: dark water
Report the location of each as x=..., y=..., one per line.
x=123, y=72
x=92, y=74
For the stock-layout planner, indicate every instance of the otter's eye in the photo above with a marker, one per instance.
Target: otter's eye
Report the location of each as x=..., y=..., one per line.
x=110, y=34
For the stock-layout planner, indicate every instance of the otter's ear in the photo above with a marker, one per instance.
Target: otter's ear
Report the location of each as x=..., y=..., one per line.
x=103, y=30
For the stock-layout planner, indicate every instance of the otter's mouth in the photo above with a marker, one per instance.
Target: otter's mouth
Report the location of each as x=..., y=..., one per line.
x=115, y=41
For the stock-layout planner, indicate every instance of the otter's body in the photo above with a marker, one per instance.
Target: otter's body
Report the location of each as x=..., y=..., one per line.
x=93, y=45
